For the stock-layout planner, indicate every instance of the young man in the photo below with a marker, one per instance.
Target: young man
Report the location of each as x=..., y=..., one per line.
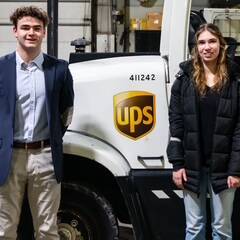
x=36, y=104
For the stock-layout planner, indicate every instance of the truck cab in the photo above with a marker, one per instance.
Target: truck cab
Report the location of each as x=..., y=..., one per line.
x=116, y=169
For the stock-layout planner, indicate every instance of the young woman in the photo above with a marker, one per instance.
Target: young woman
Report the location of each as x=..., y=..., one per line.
x=204, y=147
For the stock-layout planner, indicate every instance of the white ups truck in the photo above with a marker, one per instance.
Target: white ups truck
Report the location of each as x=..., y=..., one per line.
x=115, y=164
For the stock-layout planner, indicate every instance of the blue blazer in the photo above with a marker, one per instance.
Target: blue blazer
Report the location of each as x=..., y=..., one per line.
x=59, y=102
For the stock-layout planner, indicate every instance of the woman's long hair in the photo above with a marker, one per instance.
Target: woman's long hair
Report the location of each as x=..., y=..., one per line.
x=198, y=69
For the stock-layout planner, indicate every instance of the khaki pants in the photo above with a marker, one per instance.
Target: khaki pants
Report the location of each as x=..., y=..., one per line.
x=34, y=169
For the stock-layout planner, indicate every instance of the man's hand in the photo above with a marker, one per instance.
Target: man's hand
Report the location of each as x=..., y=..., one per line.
x=179, y=177
x=233, y=182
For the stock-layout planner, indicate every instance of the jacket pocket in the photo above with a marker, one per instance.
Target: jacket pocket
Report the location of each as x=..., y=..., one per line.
x=1, y=142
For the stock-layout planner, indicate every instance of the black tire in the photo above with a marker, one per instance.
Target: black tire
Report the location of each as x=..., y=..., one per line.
x=85, y=215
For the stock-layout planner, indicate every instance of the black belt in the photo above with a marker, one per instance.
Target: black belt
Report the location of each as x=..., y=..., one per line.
x=32, y=145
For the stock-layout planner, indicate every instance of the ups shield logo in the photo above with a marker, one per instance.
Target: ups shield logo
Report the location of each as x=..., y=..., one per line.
x=134, y=113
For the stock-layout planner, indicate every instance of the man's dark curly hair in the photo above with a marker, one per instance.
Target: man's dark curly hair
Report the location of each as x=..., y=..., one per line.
x=29, y=11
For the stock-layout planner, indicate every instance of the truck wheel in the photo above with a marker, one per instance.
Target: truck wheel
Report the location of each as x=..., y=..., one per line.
x=85, y=215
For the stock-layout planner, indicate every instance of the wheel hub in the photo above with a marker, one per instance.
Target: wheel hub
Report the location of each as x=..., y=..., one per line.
x=72, y=227
x=66, y=232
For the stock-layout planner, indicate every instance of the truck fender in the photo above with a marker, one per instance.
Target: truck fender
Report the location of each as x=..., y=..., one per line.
x=84, y=145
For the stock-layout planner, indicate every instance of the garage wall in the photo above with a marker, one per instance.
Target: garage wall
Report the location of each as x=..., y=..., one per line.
x=72, y=24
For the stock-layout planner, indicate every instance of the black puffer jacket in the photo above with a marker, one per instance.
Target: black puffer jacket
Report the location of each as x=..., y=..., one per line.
x=184, y=150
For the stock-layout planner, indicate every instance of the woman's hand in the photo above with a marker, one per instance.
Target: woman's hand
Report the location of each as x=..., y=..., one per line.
x=233, y=182
x=179, y=177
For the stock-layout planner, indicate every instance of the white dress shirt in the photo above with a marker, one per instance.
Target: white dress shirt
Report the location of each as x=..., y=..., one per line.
x=30, y=113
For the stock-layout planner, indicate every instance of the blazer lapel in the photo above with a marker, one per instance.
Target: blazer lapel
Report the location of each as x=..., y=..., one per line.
x=9, y=79
x=49, y=74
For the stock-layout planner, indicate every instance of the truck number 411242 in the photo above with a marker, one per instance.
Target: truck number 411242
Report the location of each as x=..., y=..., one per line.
x=142, y=77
